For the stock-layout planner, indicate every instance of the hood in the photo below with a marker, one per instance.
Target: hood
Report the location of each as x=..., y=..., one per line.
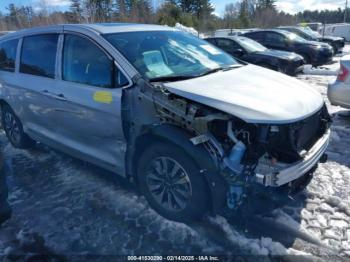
x=280, y=54
x=253, y=94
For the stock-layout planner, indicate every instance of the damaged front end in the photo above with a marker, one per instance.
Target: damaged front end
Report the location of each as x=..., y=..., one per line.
x=246, y=154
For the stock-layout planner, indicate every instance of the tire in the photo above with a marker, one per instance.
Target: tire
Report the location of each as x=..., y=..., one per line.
x=188, y=199
x=14, y=129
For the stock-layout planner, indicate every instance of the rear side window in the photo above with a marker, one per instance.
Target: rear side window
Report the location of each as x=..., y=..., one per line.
x=86, y=63
x=39, y=55
x=8, y=51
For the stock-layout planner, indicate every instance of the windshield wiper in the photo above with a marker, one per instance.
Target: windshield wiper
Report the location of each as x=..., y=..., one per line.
x=212, y=71
x=217, y=69
x=184, y=77
x=170, y=78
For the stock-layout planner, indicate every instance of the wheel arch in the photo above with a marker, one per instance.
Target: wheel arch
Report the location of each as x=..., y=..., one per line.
x=216, y=185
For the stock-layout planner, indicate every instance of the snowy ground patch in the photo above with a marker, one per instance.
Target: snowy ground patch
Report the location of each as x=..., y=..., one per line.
x=323, y=71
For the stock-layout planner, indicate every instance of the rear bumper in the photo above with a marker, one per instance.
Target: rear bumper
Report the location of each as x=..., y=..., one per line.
x=339, y=94
x=281, y=174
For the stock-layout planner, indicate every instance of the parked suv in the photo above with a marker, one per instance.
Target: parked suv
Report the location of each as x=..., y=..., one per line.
x=192, y=127
x=314, y=53
x=251, y=51
x=337, y=43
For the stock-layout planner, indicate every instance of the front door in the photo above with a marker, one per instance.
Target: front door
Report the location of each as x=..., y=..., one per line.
x=36, y=80
x=89, y=117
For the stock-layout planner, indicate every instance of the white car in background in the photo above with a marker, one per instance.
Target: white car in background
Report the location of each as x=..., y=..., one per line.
x=339, y=91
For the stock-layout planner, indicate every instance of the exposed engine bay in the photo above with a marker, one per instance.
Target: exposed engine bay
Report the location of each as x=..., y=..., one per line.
x=242, y=151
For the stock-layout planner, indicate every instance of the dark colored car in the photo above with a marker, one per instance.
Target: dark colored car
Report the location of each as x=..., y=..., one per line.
x=337, y=43
x=314, y=53
x=252, y=52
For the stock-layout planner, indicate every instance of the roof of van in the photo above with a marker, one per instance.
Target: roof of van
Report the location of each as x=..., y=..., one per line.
x=102, y=28
x=106, y=28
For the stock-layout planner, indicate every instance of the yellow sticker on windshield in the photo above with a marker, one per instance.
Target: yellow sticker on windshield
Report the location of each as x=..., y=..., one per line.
x=103, y=97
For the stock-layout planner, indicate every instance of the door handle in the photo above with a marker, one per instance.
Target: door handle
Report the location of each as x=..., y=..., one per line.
x=60, y=97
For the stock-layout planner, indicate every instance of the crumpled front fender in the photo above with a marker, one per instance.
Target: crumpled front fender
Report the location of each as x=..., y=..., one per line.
x=217, y=186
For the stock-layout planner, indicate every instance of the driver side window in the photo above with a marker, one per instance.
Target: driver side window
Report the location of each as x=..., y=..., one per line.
x=85, y=63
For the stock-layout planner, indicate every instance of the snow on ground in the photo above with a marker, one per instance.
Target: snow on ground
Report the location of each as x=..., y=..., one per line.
x=66, y=207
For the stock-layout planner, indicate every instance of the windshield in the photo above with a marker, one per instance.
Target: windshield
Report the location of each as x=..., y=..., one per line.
x=294, y=37
x=250, y=45
x=310, y=32
x=157, y=54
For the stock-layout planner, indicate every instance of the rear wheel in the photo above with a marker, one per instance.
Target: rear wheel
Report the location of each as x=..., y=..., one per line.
x=14, y=129
x=172, y=183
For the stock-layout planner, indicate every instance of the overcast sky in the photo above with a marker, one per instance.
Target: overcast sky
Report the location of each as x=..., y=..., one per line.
x=290, y=6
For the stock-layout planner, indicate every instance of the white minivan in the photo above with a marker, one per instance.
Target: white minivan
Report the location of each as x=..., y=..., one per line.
x=195, y=129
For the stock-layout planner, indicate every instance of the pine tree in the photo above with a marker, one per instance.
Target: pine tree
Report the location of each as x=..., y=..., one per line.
x=202, y=9
x=266, y=4
x=120, y=10
x=244, y=14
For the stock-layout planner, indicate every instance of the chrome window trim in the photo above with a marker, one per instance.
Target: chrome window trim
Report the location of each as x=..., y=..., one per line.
x=18, y=55
x=58, y=72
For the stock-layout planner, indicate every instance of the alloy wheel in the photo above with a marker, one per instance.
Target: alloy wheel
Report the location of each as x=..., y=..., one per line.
x=12, y=128
x=169, y=184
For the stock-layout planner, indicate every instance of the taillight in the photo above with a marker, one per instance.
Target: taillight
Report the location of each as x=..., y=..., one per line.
x=343, y=74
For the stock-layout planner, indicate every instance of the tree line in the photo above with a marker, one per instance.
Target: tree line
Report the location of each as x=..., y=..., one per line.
x=193, y=13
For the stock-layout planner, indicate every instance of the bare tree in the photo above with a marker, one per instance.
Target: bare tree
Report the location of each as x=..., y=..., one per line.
x=231, y=15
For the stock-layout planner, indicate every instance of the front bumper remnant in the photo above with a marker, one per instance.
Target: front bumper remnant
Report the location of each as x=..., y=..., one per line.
x=279, y=174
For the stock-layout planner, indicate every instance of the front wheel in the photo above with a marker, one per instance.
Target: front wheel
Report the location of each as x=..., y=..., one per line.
x=172, y=183
x=14, y=129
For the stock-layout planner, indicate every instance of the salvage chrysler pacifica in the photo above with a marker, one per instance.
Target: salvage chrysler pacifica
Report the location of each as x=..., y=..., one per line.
x=196, y=130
